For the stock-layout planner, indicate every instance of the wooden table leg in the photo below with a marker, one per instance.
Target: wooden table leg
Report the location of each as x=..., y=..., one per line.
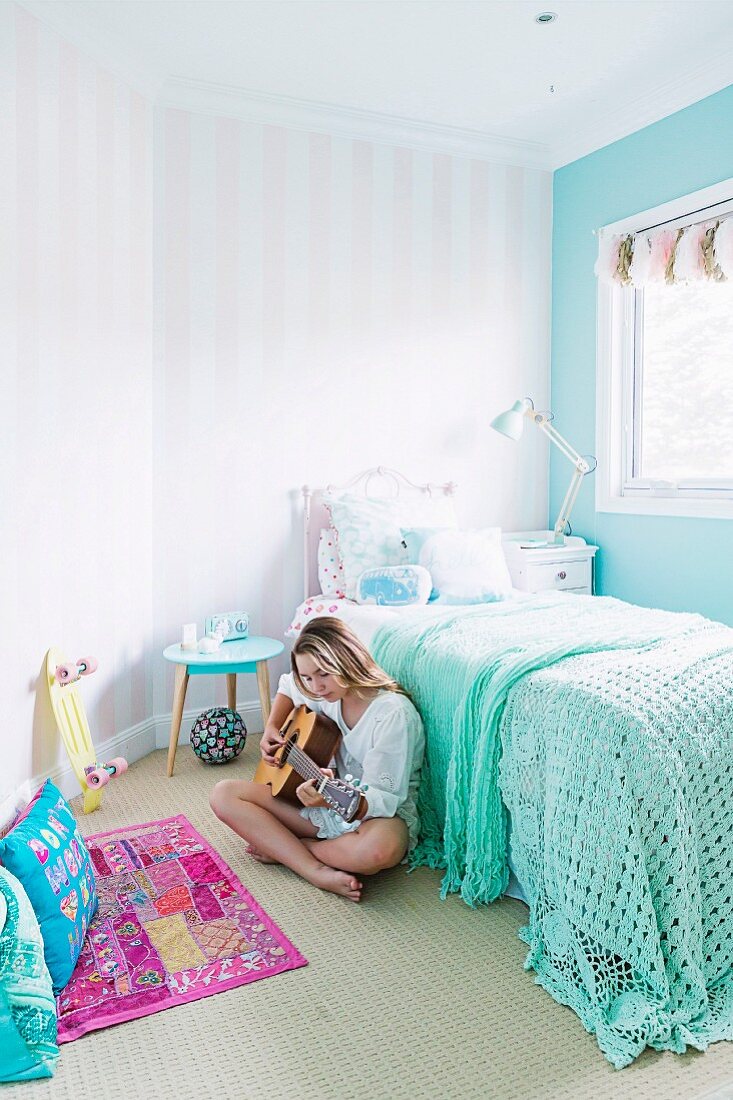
x=263, y=683
x=232, y=690
x=179, y=698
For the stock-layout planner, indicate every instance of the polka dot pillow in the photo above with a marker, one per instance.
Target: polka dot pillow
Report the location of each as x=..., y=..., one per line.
x=315, y=607
x=330, y=566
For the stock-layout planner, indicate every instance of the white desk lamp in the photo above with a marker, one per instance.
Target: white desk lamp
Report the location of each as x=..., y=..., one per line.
x=511, y=424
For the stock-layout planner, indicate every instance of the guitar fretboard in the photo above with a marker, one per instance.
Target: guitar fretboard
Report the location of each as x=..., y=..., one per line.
x=342, y=797
x=302, y=764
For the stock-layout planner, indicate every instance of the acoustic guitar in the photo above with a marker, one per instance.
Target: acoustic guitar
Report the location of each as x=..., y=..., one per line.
x=309, y=743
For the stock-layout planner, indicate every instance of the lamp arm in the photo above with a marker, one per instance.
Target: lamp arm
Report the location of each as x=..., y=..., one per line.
x=566, y=507
x=562, y=444
x=582, y=467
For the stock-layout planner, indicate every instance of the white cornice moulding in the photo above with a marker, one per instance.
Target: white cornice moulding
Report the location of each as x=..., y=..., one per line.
x=660, y=102
x=199, y=96
x=346, y=122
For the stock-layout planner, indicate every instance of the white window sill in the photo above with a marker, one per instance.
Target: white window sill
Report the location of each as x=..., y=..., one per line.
x=667, y=506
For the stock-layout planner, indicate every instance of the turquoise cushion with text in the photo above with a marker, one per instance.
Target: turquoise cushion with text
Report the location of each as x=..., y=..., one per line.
x=46, y=853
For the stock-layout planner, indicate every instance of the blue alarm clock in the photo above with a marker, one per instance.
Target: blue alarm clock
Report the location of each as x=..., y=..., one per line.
x=229, y=625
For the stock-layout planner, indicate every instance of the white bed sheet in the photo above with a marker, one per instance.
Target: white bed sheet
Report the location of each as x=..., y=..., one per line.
x=365, y=620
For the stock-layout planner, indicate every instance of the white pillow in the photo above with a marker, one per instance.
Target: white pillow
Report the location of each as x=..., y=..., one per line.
x=465, y=566
x=394, y=586
x=368, y=528
x=330, y=567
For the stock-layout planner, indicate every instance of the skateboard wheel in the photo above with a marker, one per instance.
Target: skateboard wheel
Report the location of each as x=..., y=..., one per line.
x=119, y=764
x=97, y=778
x=64, y=673
x=86, y=665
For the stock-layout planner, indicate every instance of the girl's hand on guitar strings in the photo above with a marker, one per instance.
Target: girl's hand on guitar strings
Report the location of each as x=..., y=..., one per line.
x=307, y=793
x=271, y=741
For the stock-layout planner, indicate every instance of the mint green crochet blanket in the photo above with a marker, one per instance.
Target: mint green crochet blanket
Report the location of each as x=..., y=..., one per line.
x=607, y=731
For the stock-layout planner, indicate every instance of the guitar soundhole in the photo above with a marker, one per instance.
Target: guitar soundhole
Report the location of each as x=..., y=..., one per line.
x=282, y=757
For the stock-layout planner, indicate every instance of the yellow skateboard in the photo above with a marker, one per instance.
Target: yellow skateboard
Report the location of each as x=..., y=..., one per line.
x=68, y=709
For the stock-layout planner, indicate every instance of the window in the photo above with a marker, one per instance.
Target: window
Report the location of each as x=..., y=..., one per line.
x=665, y=382
x=683, y=384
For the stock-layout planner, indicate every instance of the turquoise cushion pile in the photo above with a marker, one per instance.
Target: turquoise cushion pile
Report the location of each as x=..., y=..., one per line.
x=27, y=1006
x=46, y=852
x=47, y=899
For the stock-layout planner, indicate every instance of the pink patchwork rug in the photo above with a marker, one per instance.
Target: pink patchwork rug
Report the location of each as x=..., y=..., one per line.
x=174, y=924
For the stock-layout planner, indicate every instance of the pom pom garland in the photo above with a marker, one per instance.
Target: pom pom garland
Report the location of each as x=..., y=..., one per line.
x=723, y=247
x=703, y=250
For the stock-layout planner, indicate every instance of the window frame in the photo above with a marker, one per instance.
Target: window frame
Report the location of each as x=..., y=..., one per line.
x=618, y=381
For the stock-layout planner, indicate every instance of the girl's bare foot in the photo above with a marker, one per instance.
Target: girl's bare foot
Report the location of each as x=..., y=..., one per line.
x=259, y=856
x=327, y=878
x=338, y=882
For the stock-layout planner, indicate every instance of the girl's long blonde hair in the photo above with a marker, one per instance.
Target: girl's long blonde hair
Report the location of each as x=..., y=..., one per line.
x=336, y=650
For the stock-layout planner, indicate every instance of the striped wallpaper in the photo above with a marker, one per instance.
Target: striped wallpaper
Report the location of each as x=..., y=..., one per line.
x=198, y=314
x=322, y=305
x=75, y=368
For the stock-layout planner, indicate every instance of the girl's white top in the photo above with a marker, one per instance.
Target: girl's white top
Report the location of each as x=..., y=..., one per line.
x=384, y=751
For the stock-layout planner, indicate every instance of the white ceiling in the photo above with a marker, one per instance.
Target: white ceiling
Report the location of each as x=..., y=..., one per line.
x=481, y=66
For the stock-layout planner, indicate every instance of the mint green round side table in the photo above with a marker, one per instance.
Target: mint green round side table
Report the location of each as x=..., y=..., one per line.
x=243, y=655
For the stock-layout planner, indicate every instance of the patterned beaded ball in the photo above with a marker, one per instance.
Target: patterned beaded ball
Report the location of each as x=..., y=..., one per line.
x=218, y=735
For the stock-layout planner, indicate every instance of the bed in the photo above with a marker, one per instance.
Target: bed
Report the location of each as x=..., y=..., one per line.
x=580, y=755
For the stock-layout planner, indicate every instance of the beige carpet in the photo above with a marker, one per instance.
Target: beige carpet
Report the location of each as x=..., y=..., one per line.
x=405, y=996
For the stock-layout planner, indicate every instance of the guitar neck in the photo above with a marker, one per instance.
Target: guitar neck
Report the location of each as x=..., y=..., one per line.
x=344, y=798
x=301, y=762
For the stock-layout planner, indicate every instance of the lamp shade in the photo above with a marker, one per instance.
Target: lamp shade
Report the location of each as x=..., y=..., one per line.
x=511, y=422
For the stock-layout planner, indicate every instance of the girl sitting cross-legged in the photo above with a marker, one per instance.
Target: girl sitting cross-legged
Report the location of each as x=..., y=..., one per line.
x=382, y=746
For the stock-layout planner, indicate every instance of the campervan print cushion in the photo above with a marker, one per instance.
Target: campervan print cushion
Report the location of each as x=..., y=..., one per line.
x=394, y=586
x=330, y=567
x=45, y=851
x=368, y=529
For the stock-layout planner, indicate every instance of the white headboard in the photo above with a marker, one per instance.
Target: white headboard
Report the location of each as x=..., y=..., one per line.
x=379, y=481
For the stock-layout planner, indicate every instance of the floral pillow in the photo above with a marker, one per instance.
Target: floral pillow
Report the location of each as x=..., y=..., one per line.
x=330, y=566
x=316, y=607
x=368, y=529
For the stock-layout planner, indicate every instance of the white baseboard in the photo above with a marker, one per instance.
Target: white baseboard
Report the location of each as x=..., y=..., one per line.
x=250, y=712
x=137, y=741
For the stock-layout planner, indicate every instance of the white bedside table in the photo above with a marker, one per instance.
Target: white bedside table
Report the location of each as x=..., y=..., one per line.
x=567, y=568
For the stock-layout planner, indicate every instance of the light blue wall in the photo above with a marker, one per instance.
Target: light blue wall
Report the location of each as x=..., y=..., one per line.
x=682, y=564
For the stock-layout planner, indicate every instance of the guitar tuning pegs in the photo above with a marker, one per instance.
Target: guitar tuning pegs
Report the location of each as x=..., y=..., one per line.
x=348, y=779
